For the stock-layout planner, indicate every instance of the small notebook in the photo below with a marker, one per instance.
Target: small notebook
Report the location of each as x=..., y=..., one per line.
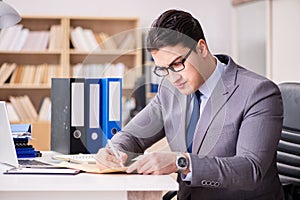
x=77, y=158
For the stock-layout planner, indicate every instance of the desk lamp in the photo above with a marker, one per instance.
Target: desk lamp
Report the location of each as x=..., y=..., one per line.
x=8, y=15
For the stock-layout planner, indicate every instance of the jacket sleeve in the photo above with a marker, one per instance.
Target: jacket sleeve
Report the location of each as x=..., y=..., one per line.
x=143, y=130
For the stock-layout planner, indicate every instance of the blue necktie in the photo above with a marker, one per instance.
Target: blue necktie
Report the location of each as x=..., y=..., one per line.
x=193, y=121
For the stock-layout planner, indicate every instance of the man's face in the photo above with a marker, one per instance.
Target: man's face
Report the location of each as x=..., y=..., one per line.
x=189, y=79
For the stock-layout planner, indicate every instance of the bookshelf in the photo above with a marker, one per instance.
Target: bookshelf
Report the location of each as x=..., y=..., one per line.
x=62, y=54
x=118, y=30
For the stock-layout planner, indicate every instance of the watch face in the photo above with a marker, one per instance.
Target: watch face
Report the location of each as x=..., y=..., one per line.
x=182, y=162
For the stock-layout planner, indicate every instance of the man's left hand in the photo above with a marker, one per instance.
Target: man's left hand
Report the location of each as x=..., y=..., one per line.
x=155, y=163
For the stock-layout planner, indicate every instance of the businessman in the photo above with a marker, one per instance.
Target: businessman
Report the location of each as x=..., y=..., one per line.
x=222, y=122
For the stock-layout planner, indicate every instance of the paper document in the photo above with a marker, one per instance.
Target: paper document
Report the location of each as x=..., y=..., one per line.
x=91, y=168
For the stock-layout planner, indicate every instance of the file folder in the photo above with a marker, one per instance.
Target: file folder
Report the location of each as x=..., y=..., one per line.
x=92, y=113
x=68, y=134
x=84, y=113
x=78, y=130
x=111, y=106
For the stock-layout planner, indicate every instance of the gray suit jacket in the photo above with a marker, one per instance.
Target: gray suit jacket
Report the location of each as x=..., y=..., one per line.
x=234, y=148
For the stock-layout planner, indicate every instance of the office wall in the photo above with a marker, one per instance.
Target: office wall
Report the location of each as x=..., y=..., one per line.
x=286, y=40
x=266, y=38
x=214, y=15
x=251, y=36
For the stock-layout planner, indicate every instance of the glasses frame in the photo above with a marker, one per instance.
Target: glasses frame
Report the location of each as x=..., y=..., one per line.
x=170, y=65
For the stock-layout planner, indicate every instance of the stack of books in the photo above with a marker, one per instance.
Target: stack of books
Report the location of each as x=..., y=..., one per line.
x=24, y=150
x=21, y=136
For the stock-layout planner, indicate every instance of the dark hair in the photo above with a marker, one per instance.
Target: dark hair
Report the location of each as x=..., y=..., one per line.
x=174, y=27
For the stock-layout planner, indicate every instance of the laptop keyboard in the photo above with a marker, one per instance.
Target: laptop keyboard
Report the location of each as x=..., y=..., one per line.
x=32, y=163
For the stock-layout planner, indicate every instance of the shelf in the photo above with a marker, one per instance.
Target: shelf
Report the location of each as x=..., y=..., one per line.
x=36, y=94
x=23, y=52
x=30, y=58
x=63, y=56
x=96, y=58
x=105, y=52
x=25, y=86
x=66, y=56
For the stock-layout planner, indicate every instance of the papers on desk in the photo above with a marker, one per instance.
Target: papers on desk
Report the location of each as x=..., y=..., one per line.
x=87, y=163
x=71, y=164
x=52, y=171
x=91, y=168
x=77, y=158
x=66, y=168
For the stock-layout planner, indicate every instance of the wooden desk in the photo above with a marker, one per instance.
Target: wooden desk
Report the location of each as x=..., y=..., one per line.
x=84, y=186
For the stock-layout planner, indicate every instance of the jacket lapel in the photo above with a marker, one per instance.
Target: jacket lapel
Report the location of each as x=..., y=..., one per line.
x=215, y=108
x=204, y=142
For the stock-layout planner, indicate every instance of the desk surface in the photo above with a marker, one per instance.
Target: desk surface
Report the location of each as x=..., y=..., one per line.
x=87, y=182
x=109, y=186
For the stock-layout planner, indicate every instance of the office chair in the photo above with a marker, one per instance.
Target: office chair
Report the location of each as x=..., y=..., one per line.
x=288, y=151
x=169, y=195
x=139, y=95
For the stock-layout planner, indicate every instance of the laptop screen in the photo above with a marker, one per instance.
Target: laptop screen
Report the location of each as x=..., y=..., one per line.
x=7, y=148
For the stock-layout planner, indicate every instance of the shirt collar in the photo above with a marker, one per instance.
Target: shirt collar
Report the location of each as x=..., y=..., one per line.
x=209, y=85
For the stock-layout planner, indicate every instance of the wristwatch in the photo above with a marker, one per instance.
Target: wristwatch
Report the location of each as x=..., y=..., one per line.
x=181, y=162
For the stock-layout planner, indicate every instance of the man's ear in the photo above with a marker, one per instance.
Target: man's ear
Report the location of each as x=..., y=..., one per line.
x=202, y=47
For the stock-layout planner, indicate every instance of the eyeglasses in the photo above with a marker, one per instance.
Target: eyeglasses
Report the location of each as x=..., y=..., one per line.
x=174, y=66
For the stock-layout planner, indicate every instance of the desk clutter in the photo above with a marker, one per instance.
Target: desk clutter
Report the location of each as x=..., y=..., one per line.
x=21, y=136
x=24, y=150
x=77, y=158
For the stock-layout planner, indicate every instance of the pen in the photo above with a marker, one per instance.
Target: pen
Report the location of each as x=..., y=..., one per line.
x=115, y=152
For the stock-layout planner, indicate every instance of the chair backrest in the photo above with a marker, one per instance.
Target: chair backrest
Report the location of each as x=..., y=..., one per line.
x=288, y=152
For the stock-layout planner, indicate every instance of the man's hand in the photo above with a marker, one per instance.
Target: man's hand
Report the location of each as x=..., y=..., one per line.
x=106, y=159
x=155, y=163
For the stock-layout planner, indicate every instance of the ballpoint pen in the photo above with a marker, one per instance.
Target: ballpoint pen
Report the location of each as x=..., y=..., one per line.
x=117, y=155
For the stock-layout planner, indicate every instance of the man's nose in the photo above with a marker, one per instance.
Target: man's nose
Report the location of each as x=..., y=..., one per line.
x=174, y=76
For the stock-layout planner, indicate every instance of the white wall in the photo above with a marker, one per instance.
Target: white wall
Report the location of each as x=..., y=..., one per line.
x=214, y=15
x=266, y=38
x=286, y=41
x=250, y=41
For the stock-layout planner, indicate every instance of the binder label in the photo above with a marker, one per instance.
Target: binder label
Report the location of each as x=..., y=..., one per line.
x=94, y=106
x=114, y=101
x=77, y=104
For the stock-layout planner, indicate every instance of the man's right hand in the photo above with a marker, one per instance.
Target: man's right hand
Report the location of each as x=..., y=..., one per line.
x=106, y=159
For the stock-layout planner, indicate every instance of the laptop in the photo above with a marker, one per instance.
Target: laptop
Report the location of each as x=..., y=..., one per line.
x=8, y=153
